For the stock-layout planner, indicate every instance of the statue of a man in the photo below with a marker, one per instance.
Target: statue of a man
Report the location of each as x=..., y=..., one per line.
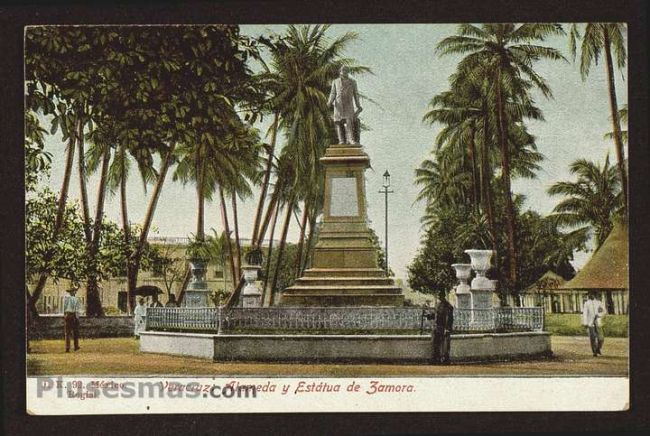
x=344, y=97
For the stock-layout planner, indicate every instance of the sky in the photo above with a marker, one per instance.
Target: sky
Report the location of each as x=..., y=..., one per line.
x=406, y=74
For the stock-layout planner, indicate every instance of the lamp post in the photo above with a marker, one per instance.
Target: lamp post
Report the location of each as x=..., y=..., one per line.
x=386, y=190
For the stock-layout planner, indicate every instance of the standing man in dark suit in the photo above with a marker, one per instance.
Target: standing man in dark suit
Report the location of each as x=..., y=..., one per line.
x=155, y=302
x=443, y=320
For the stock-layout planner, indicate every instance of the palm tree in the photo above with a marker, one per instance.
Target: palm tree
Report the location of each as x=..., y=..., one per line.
x=465, y=156
x=506, y=53
x=266, y=182
x=444, y=181
x=593, y=200
x=53, y=79
x=287, y=188
x=464, y=112
x=222, y=165
x=118, y=173
x=623, y=118
x=459, y=118
x=267, y=268
x=315, y=206
x=303, y=64
x=607, y=38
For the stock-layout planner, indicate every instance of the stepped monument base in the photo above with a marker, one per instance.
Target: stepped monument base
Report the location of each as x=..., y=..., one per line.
x=345, y=269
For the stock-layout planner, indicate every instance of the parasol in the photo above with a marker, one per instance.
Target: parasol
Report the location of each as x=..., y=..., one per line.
x=147, y=290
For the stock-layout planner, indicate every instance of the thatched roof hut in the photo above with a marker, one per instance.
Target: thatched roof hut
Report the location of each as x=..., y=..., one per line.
x=608, y=267
x=548, y=281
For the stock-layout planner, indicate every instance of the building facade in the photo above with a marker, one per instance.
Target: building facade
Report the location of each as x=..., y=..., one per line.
x=113, y=293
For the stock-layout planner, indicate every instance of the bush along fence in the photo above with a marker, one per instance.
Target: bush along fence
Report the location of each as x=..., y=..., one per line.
x=360, y=320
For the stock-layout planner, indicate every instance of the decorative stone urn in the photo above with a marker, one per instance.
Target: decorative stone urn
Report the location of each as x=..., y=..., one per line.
x=462, y=289
x=482, y=288
x=196, y=294
x=481, y=264
x=251, y=295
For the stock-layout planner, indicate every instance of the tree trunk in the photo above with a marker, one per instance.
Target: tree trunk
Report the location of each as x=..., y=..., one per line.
x=200, y=189
x=126, y=227
x=235, y=219
x=613, y=105
x=93, y=301
x=475, y=182
x=273, y=204
x=85, y=209
x=310, y=240
x=265, y=183
x=58, y=222
x=151, y=208
x=186, y=281
x=226, y=227
x=301, y=239
x=505, y=166
x=486, y=186
x=283, y=240
x=269, y=253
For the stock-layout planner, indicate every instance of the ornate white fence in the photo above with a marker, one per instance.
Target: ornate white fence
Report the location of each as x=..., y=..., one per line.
x=338, y=320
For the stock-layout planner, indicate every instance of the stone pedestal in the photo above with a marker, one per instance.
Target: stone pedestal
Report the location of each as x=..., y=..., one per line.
x=482, y=288
x=345, y=269
x=462, y=289
x=251, y=295
x=196, y=294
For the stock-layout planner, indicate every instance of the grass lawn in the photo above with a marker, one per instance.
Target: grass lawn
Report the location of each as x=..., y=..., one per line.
x=569, y=324
x=121, y=356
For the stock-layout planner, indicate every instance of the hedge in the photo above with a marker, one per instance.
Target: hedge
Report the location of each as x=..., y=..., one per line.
x=569, y=324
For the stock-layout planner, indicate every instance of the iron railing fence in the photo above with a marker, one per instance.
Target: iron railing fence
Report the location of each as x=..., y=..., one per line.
x=338, y=320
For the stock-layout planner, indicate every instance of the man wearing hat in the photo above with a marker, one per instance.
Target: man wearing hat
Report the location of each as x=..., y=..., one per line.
x=155, y=302
x=443, y=320
x=71, y=308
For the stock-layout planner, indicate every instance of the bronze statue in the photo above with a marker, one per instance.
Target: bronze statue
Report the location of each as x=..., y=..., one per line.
x=344, y=97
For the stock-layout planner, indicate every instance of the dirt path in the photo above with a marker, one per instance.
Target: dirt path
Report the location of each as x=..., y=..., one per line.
x=120, y=356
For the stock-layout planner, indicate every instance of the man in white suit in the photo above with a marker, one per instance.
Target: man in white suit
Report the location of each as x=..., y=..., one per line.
x=592, y=315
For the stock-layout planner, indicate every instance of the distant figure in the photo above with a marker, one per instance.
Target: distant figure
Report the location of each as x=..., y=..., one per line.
x=71, y=309
x=172, y=301
x=343, y=97
x=592, y=314
x=140, y=314
x=443, y=320
x=155, y=302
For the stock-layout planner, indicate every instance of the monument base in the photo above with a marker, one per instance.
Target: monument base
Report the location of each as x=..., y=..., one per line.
x=336, y=287
x=196, y=298
x=344, y=270
x=346, y=348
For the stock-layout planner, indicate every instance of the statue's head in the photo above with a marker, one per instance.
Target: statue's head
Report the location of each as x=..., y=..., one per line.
x=343, y=72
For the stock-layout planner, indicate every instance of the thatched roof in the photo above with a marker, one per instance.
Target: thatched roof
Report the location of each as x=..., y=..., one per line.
x=549, y=276
x=608, y=266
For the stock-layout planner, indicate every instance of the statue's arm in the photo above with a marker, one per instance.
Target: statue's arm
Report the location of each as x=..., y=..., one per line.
x=356, y=99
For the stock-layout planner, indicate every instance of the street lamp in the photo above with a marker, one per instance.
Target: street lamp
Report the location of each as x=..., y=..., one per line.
x=386, y=190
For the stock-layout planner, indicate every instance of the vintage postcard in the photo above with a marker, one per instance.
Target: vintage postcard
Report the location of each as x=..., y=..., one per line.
x=326, y=218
